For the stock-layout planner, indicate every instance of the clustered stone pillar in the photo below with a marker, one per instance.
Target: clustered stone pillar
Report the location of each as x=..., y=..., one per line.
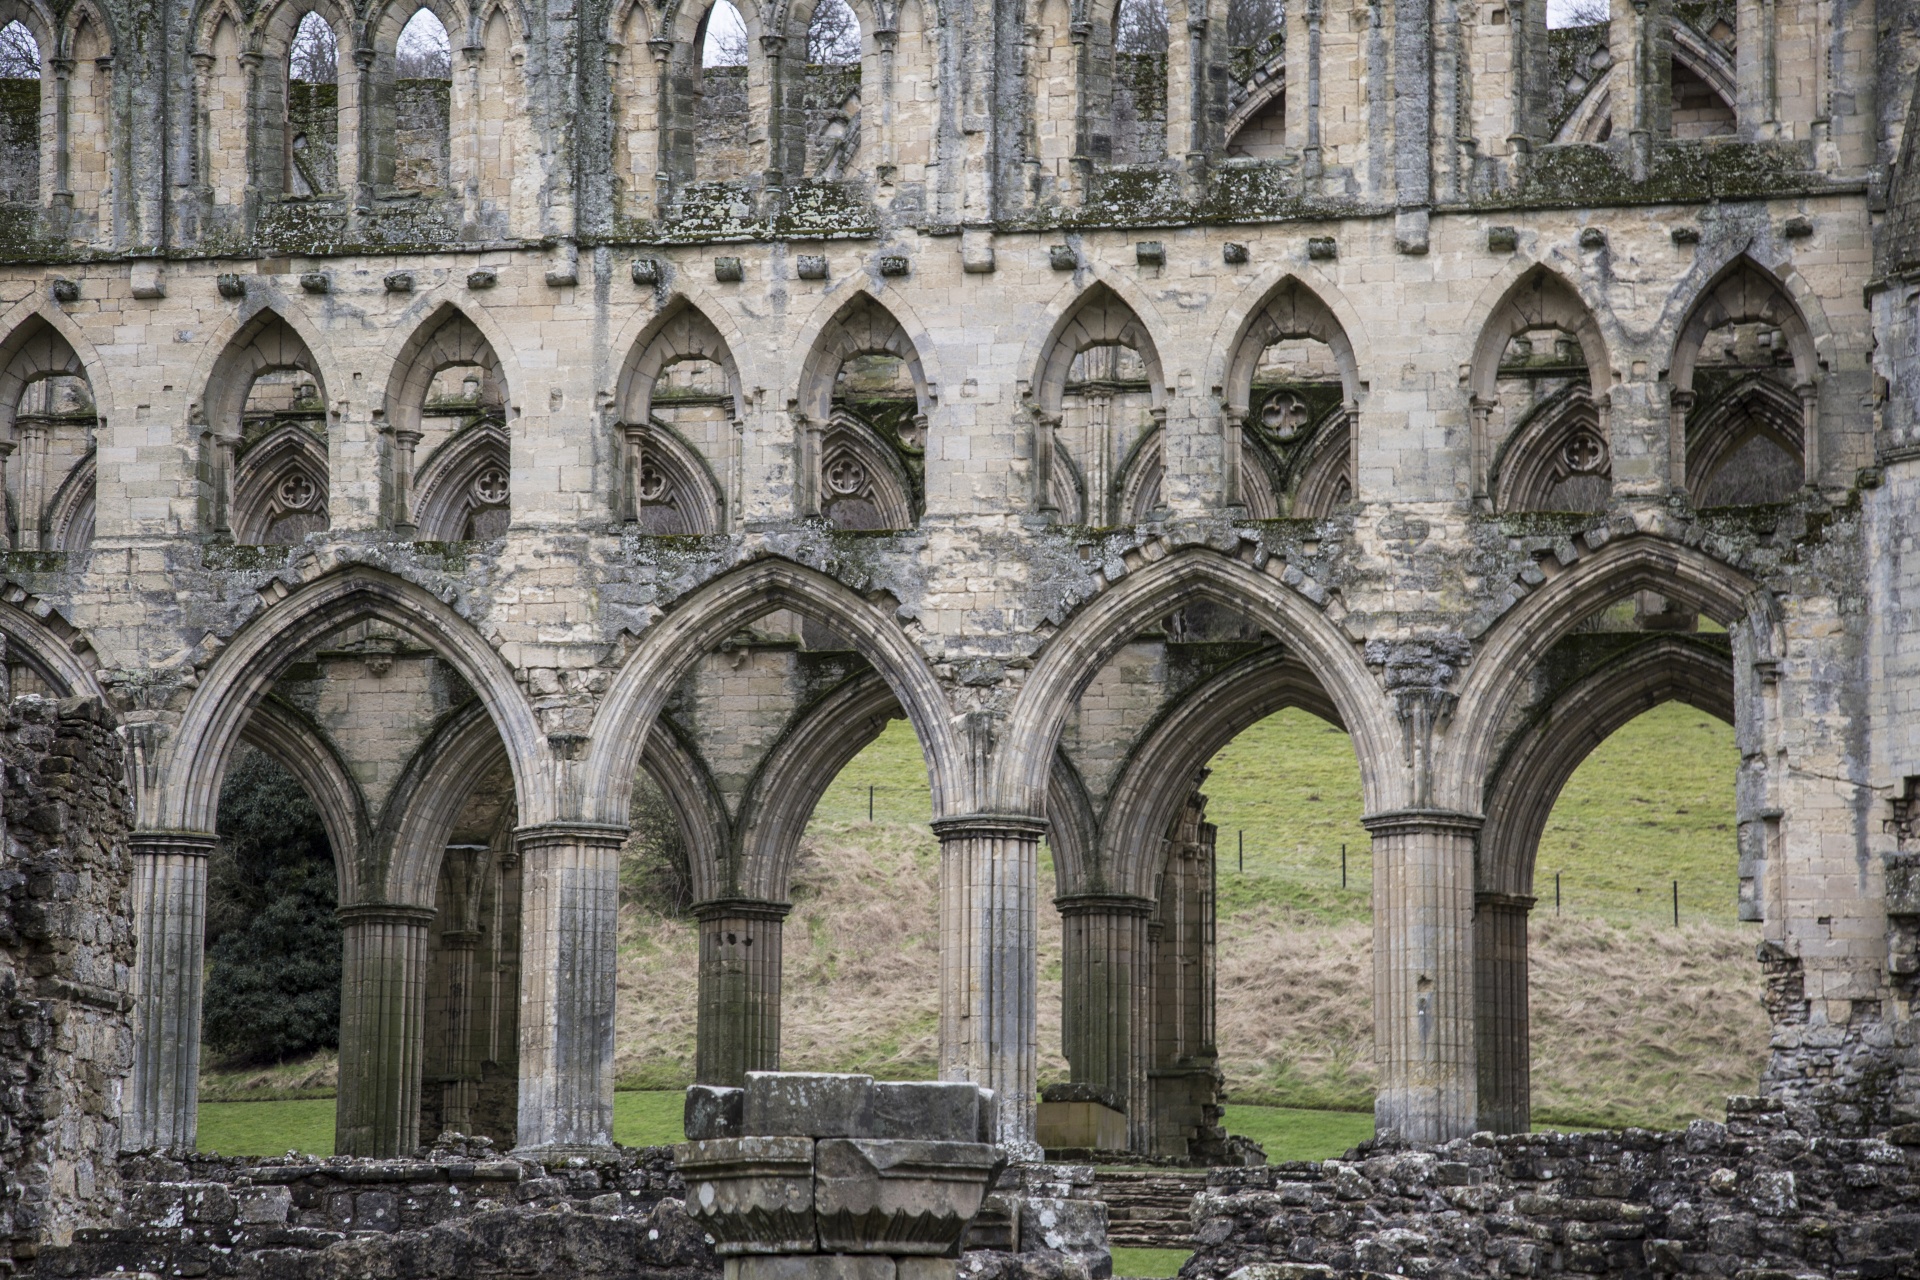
x=989, y=864
x=739, y=1004
x=1105, y=1022
x=170, y=905
x=1185, y=1075
x=383, y=1007
x=1423, y=975
x=1502, y=1047
x=570, y=895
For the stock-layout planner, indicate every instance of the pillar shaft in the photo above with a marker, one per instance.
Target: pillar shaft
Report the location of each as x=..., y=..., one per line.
x=1185, y=1108
x=989, y=865
x=1106, y=972
x=1423, y=1023
x=383, y=1017
x=170, y=905
x=1502, y=1039
x=570, y=901
x=739, y=1016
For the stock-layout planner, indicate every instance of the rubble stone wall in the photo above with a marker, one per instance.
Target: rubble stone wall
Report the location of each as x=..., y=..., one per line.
x=66, y=957
x=1754, y=1197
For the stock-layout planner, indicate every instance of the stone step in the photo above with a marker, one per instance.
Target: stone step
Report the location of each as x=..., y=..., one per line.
x=1149, y=1209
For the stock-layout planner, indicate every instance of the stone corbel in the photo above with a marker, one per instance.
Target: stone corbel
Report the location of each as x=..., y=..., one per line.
x=1423, y=713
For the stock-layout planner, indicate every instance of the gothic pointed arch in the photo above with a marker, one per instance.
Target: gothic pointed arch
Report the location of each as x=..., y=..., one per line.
x=1292, y=385
x=186, y=775
x=1079, y=649
x=462, y=489
x=1500, y=679
x=863, y=404
x=51, y=654
x=48, y=419
x=1556, y=460
x=1099, y=393
x=263, y=436
x=1539, y=339
x=447, y=403
x=1744, y=366
x=286, y=734
x=697, y=622
x=680, y=408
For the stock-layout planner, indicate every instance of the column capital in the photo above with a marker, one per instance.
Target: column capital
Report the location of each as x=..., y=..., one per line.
x=1119, y=904
x=1001, y=825
x=178, y=844
x=744, y=908
x=552, y=833
x=384, y=913
x=1396, y=822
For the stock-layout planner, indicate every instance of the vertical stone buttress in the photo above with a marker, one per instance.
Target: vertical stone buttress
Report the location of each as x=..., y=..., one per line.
x=383, y=1012
x=1105, y=1027
x=170, y=907
x=1423, y=1021
x=739, y=1005
x=1185, y=1075
x=989, y=866
x=1502, y=1048
x=570, y=901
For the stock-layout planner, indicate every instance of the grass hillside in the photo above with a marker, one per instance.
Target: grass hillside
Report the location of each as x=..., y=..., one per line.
x=1635, y=1022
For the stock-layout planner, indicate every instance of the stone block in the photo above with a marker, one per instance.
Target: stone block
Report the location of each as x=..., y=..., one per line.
x=713, y=1111
x=1071, y=1226
x=814, y=1104
x=1081, y=1126
x=877, y=1195
x=931, y=1110
x=816, y=1266
x=752, y=1195
x=264, y=1205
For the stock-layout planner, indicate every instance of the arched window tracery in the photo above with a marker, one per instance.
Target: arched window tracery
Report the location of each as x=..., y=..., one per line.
x=1100, y=407
x=1291, y=395
x=47, y=428
x=447, y=405
x=22, y=56
x=1256, y=94
x=680, y=421
x=312, y=124
x=863, y=422
x=832, y=93
x=420, y=104
x=1135, y=118
x=1744, y=394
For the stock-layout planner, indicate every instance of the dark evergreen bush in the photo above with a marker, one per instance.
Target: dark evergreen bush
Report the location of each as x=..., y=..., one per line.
x=273, y=943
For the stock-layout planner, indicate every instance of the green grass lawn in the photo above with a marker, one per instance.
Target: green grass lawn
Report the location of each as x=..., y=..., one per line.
x=267, y=1128
x=1149, y=1264
x=648, y=1117
x=1290, y=1133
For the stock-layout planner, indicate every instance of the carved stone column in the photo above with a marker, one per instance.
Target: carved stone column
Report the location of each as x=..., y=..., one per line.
x=1503, y=1045
x=170, y=926
x=1106, y=972
x=635, y=435
x=33, y=480
x=1423, y=973
x=569, y=934
x=1185, y=1112
x=1679, y=405
x=739, y=1011
x=6, y=535
x=383, y=1015
x=989, y=865
x=404, y=444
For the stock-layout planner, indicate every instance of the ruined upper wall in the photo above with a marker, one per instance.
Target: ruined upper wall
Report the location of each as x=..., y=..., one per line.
x=180, y=130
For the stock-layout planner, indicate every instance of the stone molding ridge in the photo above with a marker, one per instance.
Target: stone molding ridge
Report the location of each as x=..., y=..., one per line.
x=569, y=832
x=1413, y=821
x=750, y=908
x=1494, y=898
x=1081, y=904
x=172, y=843
x=385, y=913
x=1017, y=825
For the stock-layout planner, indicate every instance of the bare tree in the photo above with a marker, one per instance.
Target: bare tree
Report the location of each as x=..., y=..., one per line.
x=1140, y=27
x=314, y=57
x=726, y=43
x=423, y=51
x=19, y=53
x=1250, y=23
x=1578, y=13
x=833, y=36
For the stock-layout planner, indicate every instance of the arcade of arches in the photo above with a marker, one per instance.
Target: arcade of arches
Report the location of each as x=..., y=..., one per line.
x=402, y=395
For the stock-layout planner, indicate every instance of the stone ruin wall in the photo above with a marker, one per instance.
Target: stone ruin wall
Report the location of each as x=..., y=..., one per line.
x=66, y=968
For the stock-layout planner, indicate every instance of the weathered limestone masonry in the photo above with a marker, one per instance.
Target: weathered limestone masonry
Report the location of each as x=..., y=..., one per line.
x=1469, y=384
x=66, y=969
x=1757, y=1196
